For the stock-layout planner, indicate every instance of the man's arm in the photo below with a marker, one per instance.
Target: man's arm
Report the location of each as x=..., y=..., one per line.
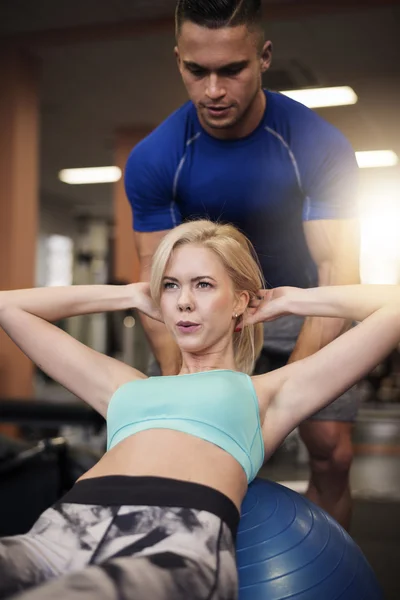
x=334, y=246
x=163, y=345
x=149, y=184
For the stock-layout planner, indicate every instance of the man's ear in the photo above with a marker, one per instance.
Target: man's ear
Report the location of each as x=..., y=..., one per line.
x=177, y=57
x=266, y=56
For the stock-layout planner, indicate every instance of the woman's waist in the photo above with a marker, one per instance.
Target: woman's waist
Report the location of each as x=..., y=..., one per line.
x=161, y=492
x=164, y=453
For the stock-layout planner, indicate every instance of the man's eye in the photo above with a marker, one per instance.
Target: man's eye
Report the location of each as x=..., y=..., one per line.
x=231, y=72
x=198, y=72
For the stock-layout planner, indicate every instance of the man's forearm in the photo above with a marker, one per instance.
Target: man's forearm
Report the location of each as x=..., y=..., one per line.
x=316, y=333
x=334, y=247
x=163, y=345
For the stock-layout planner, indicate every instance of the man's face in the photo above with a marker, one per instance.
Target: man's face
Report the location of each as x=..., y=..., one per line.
x=222, y=70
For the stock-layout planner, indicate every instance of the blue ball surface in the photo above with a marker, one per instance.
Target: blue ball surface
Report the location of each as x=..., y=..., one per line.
x=287, y=547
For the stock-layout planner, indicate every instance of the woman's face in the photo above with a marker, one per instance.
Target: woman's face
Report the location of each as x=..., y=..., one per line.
x=198, y=301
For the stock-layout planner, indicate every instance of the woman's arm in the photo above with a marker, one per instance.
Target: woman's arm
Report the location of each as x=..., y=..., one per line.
x=88, y=374
x=355, y=302
x=55, y=303
x=352, y=302
x=300, y=389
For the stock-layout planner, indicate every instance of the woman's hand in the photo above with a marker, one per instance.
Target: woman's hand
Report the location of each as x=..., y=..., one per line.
x=142, y=300
x=269, y=305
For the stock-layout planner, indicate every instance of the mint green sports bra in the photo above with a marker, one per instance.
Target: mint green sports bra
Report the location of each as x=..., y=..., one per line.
x=218, y=406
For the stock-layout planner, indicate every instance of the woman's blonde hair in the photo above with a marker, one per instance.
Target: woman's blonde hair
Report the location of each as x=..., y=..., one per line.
x=240, y=261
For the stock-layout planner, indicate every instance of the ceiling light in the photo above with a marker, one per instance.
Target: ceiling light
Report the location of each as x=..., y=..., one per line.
x=377, y=159
x=322, y=97
x=91, y=175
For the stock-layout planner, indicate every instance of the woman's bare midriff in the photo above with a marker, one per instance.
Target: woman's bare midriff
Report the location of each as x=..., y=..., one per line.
x=176, y=455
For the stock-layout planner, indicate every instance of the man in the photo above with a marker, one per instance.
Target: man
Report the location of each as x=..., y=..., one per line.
x=275, y=169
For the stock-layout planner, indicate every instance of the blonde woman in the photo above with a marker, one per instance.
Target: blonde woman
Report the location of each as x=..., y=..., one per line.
x=157, y=516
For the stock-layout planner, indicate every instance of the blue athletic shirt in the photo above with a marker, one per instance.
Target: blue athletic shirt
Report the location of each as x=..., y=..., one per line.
x=294, y=167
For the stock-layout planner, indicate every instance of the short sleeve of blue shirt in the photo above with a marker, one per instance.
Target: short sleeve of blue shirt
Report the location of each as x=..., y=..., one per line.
x=328, y=173
x=149, y=188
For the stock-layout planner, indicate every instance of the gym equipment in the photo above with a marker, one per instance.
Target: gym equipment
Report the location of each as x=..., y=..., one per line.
x=287, y=547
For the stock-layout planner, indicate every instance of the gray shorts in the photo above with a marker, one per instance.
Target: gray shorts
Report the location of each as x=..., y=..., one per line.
x=279, y=341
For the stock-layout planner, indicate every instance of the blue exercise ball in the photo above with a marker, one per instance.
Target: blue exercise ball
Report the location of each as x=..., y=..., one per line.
x=287, y=547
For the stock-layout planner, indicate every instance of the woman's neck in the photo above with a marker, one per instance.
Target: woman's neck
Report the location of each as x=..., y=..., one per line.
x=208, y=362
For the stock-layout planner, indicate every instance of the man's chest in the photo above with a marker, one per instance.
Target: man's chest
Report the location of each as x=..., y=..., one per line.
x=232, y=183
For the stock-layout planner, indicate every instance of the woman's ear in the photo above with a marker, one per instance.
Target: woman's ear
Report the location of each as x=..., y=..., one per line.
x=243, y=299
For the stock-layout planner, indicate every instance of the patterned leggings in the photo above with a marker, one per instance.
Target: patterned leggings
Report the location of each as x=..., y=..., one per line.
x=135, y=550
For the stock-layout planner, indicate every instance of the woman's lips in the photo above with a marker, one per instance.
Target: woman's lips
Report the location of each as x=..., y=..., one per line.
x=187, y=327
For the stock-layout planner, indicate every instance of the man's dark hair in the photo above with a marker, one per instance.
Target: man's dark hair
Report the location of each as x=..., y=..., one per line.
x=215, y=14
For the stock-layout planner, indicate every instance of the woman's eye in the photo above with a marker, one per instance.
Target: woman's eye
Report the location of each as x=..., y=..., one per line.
x=204, y=284
x=169, y=285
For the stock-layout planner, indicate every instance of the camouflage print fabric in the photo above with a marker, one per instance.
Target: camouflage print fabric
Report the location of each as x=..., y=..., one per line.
x=82, y=552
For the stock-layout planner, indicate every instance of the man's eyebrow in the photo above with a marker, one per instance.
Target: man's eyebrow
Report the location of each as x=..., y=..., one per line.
x=234, y=65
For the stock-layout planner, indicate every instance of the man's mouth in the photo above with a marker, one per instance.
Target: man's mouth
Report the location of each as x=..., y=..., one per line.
x=218, y=111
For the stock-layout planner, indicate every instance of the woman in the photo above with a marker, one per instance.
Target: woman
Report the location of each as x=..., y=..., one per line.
x=157, y=516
